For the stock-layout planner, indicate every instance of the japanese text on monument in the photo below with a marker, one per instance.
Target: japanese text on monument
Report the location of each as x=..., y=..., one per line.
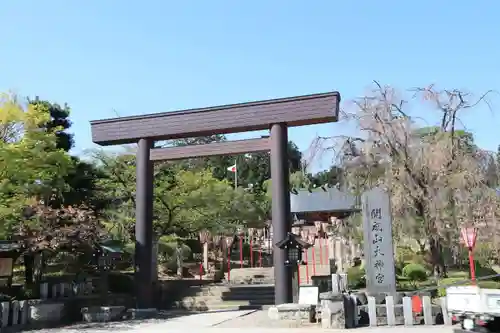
x=379, y=254
x=377, y=240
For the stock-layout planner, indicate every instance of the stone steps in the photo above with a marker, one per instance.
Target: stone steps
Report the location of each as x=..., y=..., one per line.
x=228, y=296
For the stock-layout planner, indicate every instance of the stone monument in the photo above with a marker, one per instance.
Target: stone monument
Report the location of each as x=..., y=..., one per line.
x=378, y=245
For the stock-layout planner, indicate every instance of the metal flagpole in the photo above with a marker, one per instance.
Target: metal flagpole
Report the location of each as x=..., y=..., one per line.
x=235, y=174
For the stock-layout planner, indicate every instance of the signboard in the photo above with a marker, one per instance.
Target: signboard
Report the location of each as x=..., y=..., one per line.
x=378, y=246
x=308, y=295
x=5, y=267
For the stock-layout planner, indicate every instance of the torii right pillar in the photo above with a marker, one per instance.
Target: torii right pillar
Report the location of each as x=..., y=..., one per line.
x=281, y=216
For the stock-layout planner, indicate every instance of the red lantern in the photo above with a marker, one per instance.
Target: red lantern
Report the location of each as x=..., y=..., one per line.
x=319, y=227
x=304, y=234
x=260, y=233
x=311, y=239
x=204, y=236
x=229, y=241
x=317, y=224
x=469, y=236
x=324, y=226
x=217, y=239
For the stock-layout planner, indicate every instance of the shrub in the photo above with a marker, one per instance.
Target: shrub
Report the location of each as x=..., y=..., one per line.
x=356, y=278
x=167, y=250
x=246, y=250
x=404, y=254
x=482, y=271
x=415, y=272
x=489, y=284
x=121, y=283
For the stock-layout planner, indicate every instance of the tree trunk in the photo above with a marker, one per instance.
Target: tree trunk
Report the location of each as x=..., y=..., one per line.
x=34, y=264
x=39, y=266
x=436, y=257
x=29, y=269
x=421, y=246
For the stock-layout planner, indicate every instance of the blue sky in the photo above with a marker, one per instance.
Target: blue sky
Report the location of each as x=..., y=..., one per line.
x=136, y=57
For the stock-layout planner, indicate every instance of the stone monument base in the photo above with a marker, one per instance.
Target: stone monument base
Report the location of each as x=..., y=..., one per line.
x=141, y=313
x=293, y=311
x=102, y=313
x=338, y=310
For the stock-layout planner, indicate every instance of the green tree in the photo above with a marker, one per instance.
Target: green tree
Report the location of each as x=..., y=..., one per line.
x=30, y=163
x=58, y=122
x=186, y=201
x=80, y=182
x=331, y=177
x=253, y=169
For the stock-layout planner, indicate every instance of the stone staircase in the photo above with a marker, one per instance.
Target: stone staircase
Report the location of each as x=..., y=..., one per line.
x=248, y=288
x=265, y=275
x=255, y=275
x=222, y=297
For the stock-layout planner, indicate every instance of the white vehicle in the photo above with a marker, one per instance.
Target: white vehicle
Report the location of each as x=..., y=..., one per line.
x=477, y=309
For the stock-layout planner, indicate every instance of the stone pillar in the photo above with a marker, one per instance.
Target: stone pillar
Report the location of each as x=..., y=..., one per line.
x=144, y=225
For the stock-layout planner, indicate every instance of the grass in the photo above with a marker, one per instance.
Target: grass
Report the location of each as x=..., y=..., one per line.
x=454, y=276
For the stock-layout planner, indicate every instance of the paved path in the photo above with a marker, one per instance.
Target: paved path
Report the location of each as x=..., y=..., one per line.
x=227, y=321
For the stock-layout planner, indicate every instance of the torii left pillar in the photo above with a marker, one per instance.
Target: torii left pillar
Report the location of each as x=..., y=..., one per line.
x=144, y=225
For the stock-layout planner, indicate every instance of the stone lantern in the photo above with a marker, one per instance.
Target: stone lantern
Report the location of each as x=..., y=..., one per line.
x=293, y=245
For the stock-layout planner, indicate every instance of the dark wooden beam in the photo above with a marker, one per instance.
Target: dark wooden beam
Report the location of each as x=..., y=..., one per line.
x=244, y=117
x=211, y=149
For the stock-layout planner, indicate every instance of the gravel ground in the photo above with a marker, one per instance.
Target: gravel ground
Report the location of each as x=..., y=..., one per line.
x=260, y=319
x=227, y=321
x=163, y=320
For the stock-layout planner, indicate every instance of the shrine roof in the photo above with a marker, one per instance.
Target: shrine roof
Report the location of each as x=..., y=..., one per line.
x=322, y=200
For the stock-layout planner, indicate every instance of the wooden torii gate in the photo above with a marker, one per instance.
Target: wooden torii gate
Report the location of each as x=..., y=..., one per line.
x=275, y=115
